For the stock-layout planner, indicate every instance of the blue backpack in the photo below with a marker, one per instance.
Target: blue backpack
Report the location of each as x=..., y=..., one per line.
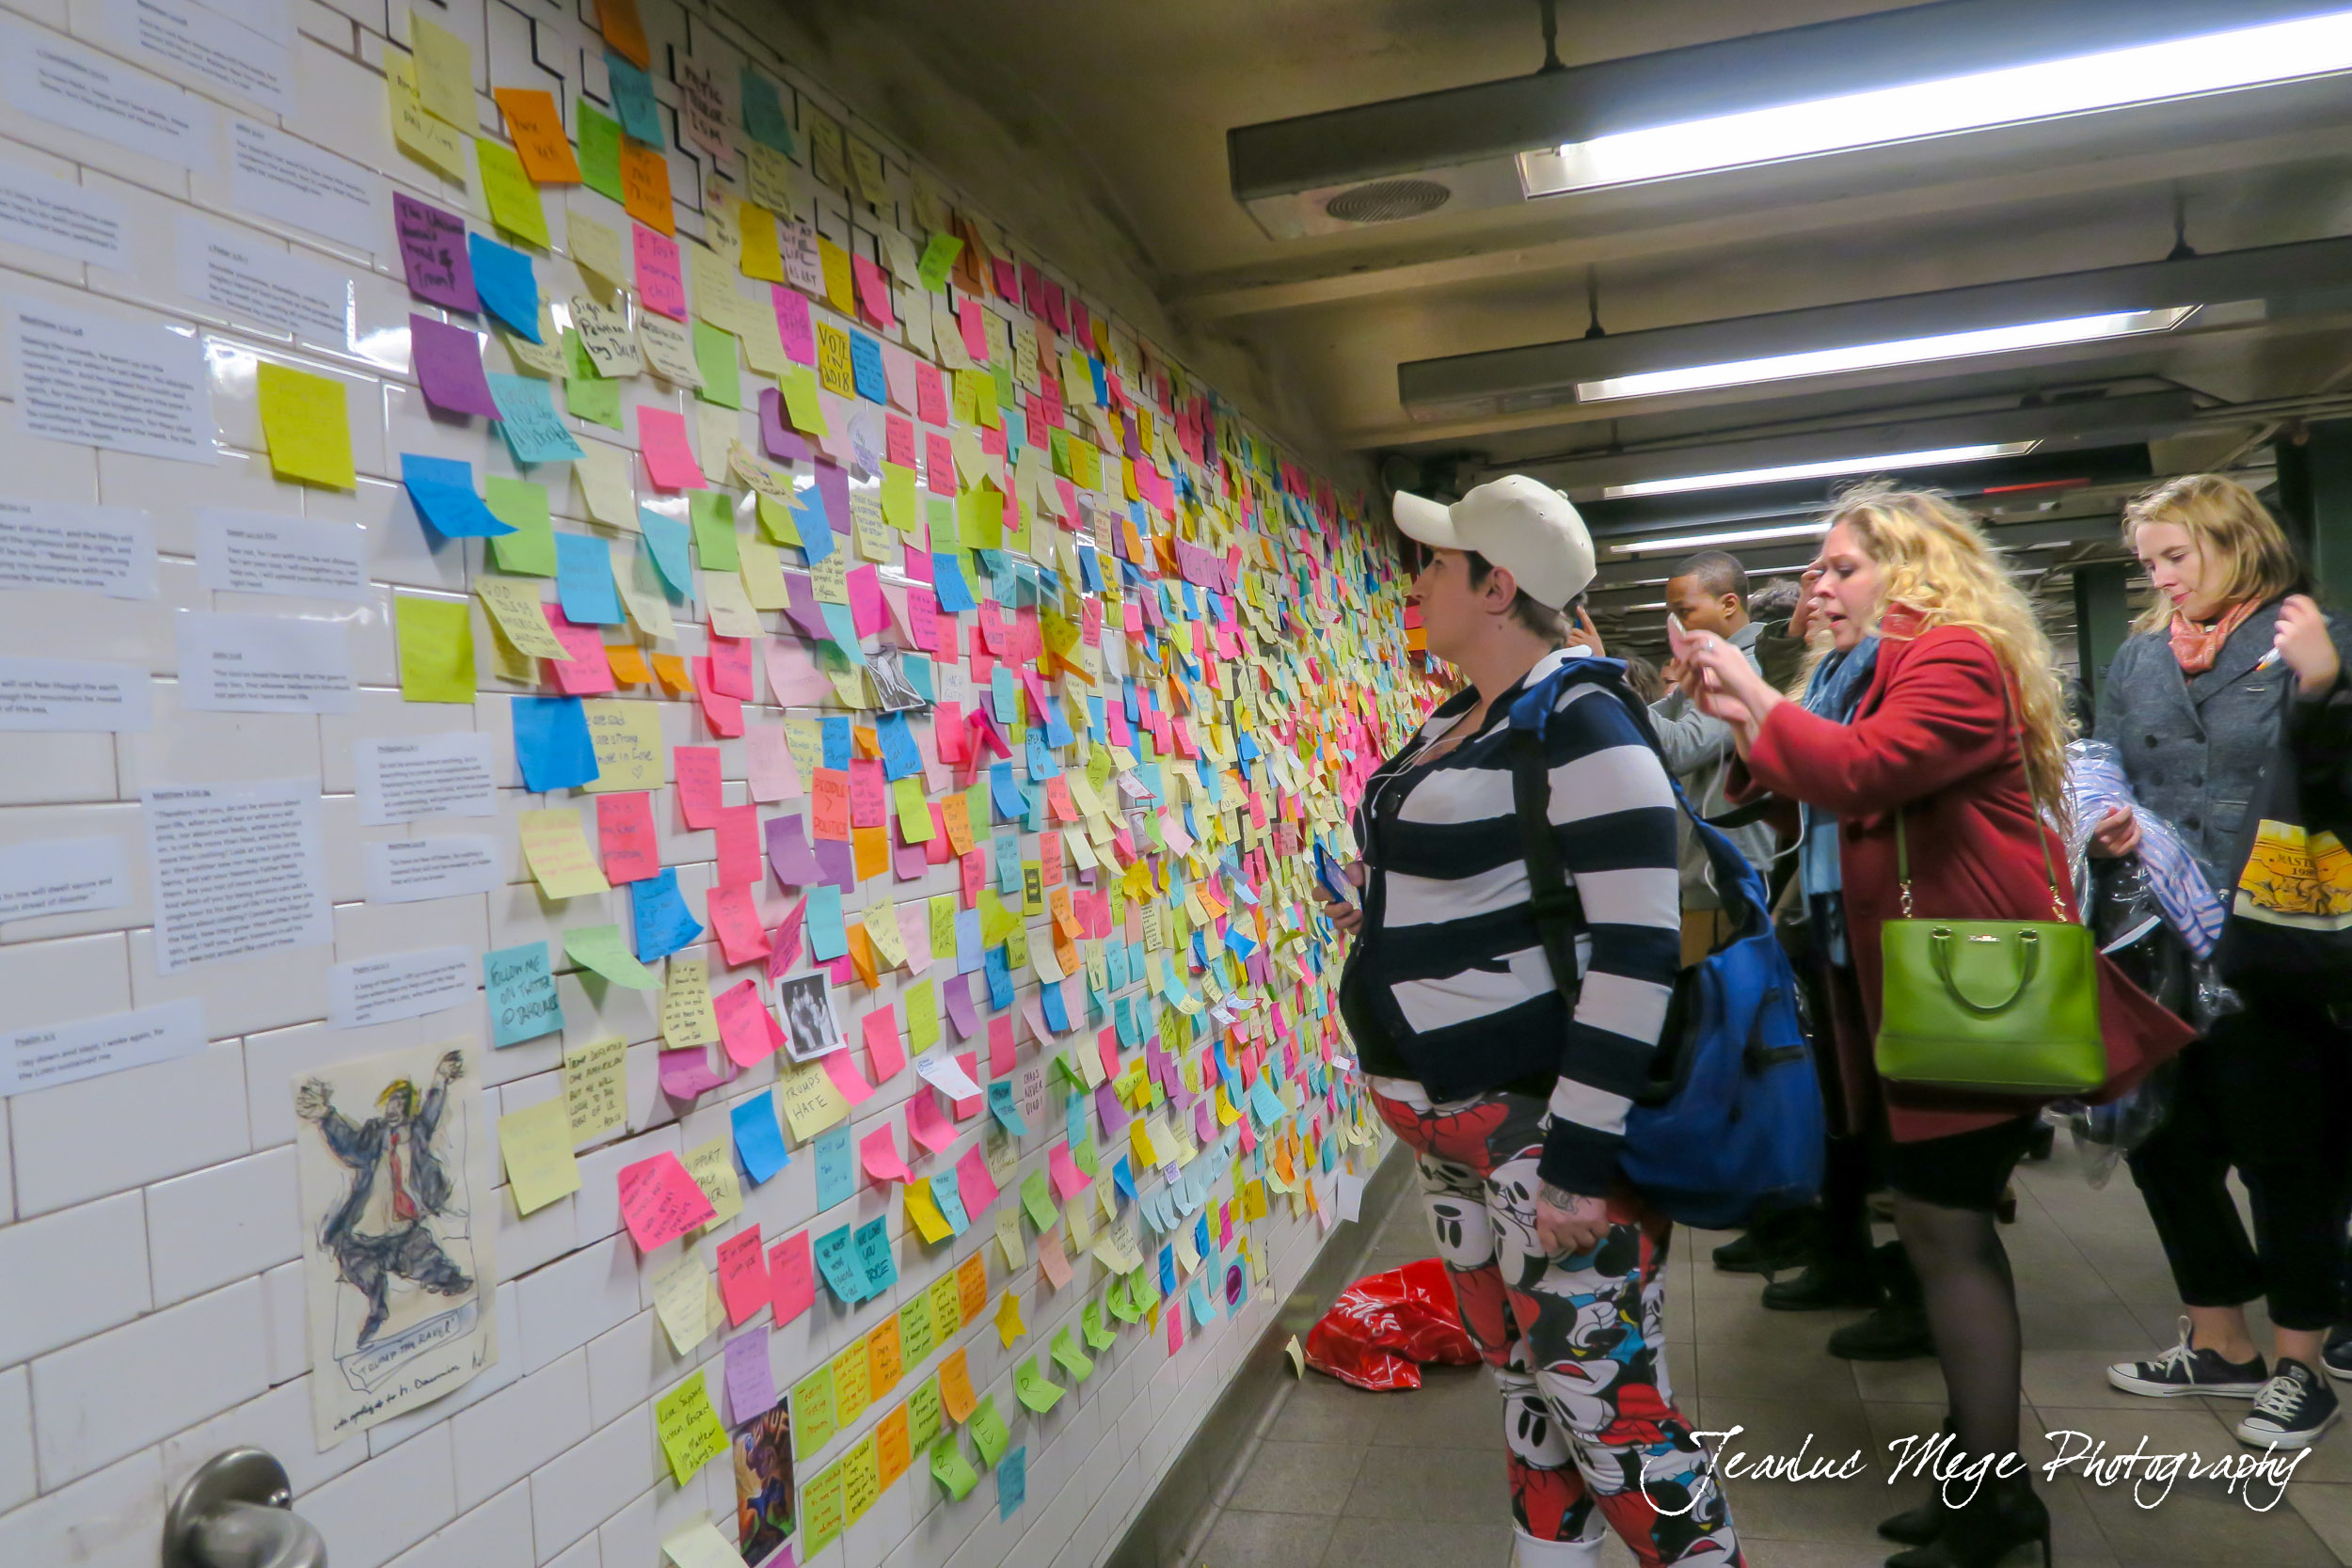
x=1730, y=1126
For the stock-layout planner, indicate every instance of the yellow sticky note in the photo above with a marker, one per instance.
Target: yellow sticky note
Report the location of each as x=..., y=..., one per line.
x=513, y=200
x=606, y=484
x=923, y=1211
x=687, y=1018
x=679, y=1295
x=596, y=1088
x=701, y=1545
x=762, y=258
x=861, y=1481
x=595, y=247
x=536, y=125
x=558, y=851
x=799, y=384
x=1008, y=1325
x=915, y=813
x=431, y=142
x=852, y=1390
x=435, y=649
x=840, y=290
x=307, y=426
x=444, y=65
x=898, y=496
x=517, y=609
x=762, y=571
x=629, y=750
x=537, y=1143
x=833, y=365
x=691, y=1433
x=712, y=1167
x=811, y=1103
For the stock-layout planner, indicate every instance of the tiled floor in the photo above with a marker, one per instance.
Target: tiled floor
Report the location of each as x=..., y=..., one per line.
x=1343, y=1479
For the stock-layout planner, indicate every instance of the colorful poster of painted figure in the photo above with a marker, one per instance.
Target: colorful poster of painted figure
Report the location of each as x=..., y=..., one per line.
x=763, y=1483
x=396, y=1177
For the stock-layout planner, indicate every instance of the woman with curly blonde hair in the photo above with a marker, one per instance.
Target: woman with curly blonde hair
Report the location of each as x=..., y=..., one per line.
x=1959, y=726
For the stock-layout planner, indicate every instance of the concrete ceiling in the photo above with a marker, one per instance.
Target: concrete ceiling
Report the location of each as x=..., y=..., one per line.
x=1131, y=103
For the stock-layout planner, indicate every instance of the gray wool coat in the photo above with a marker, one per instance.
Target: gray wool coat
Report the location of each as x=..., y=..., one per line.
x=2195, y=748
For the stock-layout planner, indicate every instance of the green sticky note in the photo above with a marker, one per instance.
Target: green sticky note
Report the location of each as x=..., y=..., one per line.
x=1038, y=1199
x=603, y=949
x=714, y=356
x=435, y=649
x=513, y=200
x=916, y=1338
x=923, y=1412
x=1034, y=1388
x=939, y=259
x=1068, y=1356
x=530, y=550
x=951, y=1469
x=599, y=150
x=713, y=513
x=588, y=395
x=812, y=1412
x=988, y=1430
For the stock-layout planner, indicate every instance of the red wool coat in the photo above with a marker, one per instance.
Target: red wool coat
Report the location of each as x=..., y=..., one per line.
x=1933, y=736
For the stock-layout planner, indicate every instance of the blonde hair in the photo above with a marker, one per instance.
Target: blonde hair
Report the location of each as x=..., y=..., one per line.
x=1938, y=563
x=2233, y=532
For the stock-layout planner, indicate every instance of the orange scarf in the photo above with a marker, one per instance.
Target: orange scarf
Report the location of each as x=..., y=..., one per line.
x=2197, y=647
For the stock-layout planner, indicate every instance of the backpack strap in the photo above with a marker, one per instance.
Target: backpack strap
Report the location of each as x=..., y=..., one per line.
x=1558, y=909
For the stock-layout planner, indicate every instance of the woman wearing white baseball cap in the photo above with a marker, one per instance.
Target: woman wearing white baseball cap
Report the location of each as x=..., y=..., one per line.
x=1514, y=1103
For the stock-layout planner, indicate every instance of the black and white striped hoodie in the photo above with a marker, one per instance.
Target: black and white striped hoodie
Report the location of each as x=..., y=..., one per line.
x=1447, y=983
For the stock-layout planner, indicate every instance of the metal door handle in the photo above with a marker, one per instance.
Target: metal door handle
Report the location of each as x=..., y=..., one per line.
x=236, y=1512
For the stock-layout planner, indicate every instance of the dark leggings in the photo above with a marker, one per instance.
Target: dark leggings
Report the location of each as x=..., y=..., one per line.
x=2263, y=1093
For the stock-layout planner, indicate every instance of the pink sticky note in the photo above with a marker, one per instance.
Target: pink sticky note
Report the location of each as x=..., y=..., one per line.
x=865, y=600
x=751, y=1379
x=1051, y=1260
x=879, y=1152
x=737, y=830
x=742, y=1276
x=722, y=713
x=697, y=769
x=873, y=291
x=448, y=367
x=794, y=326
x=791, y=1283
x=999, y=1045
x=925, y=1126
x=625, y=837
x=669, y=455
x=881, y=1043
x=973, y=1183
x=939, y=464
x=1107, y=1047
x=786, y=951
x=659, y=282
x=660, y=1202
x=735, y=919
x=973, y=318
x=930, y=394
x=770, y=762
x=969, y=1106
x=898, y=440
x=743, y=1024
x=1069, y=1179
x=686, y=1074
x=844, y=1074
x=731, y=665
x=793, y=678
x=589, y=670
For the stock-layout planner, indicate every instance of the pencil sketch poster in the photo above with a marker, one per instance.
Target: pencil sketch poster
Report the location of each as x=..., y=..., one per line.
x=397, y=1221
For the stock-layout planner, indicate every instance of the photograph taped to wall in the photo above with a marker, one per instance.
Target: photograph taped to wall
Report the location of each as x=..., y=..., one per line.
x=763, y=1485
x=394, y=1155
x=892, y=689
x=811, y=1029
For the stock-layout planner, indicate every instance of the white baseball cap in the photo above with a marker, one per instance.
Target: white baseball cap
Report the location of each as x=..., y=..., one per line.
x=1519, y=524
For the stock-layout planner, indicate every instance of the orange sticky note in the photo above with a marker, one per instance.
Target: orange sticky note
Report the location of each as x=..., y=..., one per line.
x=645, y=186
x=869, y=851
x=972, y=1286
x=536, y=125
x=955, y=1387
x=670, y=669
x=617, y=21
x=628, y=665
x=892, y=1450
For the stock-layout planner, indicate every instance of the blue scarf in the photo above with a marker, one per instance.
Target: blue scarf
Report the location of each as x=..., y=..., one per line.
x=1834, y=692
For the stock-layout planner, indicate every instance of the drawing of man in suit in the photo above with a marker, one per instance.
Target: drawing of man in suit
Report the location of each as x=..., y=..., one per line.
x=398, y=1183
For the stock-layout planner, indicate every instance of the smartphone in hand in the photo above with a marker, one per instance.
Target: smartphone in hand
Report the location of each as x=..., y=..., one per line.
x=1335, y=886
x=1677, y=636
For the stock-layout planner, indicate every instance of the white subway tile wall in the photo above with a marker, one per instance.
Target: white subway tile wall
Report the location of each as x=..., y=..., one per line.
x=152, y=1307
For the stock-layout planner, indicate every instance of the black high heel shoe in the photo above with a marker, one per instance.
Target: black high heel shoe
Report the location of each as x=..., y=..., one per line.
x=2004, y=1514
x=1916, y=1527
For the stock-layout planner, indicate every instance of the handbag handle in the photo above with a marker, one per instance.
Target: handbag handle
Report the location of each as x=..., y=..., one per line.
x=2049, y=867
x=1940, y=946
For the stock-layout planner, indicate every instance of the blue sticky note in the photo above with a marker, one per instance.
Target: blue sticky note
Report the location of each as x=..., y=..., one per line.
x=1005, y=1109
x=951, y=1201
x=1008, y=847
x=1167, y=1271
x=833, y=736
x=1268, y=1105
x=947, y=582
x=666, y=537
x=758, y=1142
x=583, y=581
x=1004, y=792
x=814, y=530
x=836, y=1168
x=1203, y=1304
x=967, y=941
x=1004, y=694
x=632, y=101
x=442, y=489
x=1012, y=1481
x=1056, y=1015
x=502, y=277
x=527, y=417
x=1124, y=1178
x=521, y=993
x=866, y=367
x=841, y=629
x=1044, y=764
x=551, y=744
x=836, y=1259
x=764, y=119
x=827, y=938
x=874, y=1257
x=999, y=980
x=661, y=921
x=900, y=757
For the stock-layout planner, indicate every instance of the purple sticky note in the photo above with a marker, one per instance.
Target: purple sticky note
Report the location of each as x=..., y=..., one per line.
x=448, y=367
x=836, y=865
x=788, y=852
x=1114, y=1115
x=751, y=1380
x=433, y=253
x=832, y=482
x=956, y=989
x=687, y=1073
x=800, y=604
x=779, y=440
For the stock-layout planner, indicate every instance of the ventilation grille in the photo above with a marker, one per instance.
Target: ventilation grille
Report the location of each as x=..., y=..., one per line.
x=1387, y=201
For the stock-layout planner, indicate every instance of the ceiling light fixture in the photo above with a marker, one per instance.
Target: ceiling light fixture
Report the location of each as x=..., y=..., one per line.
x=1934, y=459
x=1865, y=357
x=2155, y=73
x=1731, y=536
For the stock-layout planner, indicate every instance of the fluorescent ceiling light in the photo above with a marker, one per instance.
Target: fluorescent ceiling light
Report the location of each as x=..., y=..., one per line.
x=1816, y=470
x=1735, y=536
x=1864, y=356
x=1911, y=111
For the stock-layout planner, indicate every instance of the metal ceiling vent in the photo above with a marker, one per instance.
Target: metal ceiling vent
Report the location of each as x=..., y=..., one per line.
x=1387, y=201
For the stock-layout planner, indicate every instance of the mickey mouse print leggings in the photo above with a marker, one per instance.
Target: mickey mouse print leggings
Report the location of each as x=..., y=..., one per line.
x=1577, y=1343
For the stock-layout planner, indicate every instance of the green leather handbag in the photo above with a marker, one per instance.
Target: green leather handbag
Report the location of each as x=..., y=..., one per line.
x=1993, y=1006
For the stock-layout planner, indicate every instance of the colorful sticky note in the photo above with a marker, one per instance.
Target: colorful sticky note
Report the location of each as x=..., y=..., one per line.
x=660, y=1202
x=507, y=284
x=551, y=744
x=669, y=452
x=513, y=199
x=758, y=1141
x=536, y=123
x=537, y=1142
x=307, y=425
x=556, y=848
x=448, y=367
x=442, y=489
x=434, y=255
x=633, y=101
x=518, y=986
x=600, y=949
x=522, y=506
x=692, y=1436
x=435, y=638
x=527, y=417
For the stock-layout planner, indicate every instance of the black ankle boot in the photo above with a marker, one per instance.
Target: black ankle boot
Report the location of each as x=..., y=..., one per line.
x=1825, y=1283
x=1777, y=1241
x=1916, y=1527
x=2003, y=1516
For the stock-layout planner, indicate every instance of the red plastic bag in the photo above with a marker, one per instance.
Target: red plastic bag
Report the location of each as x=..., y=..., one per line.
x=1385, y=1323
